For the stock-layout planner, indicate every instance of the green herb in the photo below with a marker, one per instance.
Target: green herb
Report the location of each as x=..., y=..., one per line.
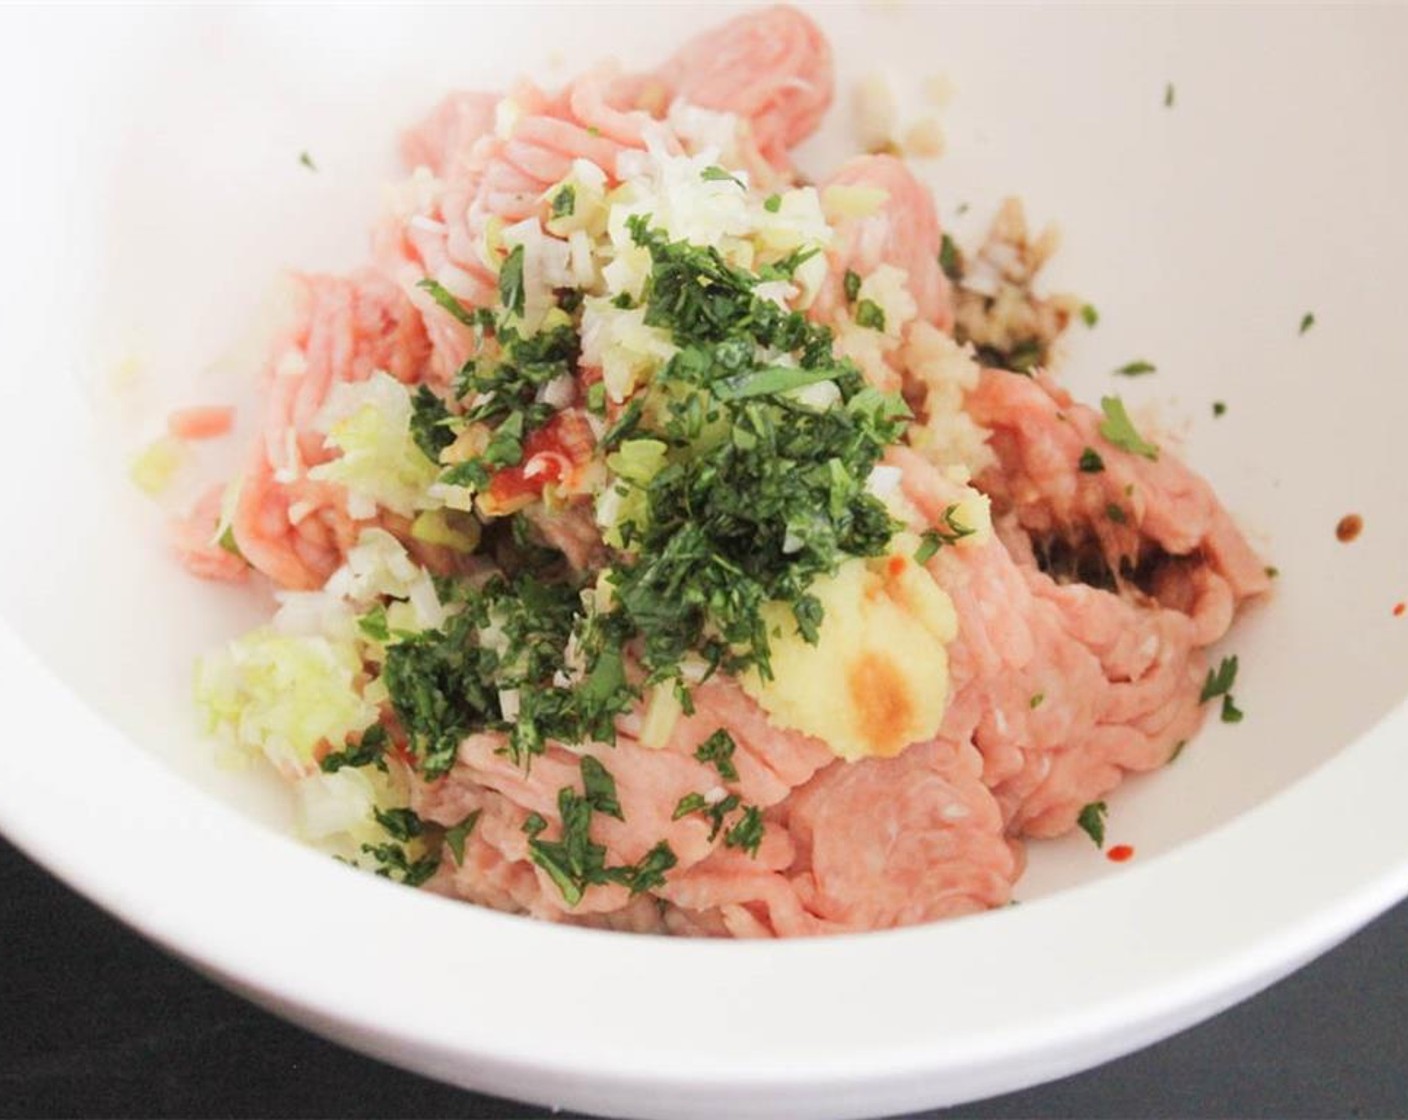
x=1177, y=749
x=773, y=203
x=1272, y=571
x=373, y=624
x=1116, y=513
x=717, y=750
x=719, y=175
x=400, y=824
x=851, y=283
x=369, y=750
x=441, y=295
x=430, y=423
x=600, y=788
x=649, y=872
x=1037, y=700
x=689, y=803
x=1219, y=682
x=592, y=130
x=1219, y=408
x=393, y=863
x=441, y=687
x=307, y=161
x=869, y=315
x=1136, y=368
x=624, y=426
x=1089, y=314
x=456, y=835
x=1168, y=96
x=596, y=398
x=575, y=862
x=950, y=258
x=511, y=291
x=1119, y=429
x=1307, y=321
x=564, y=202
x=931, y=540
x=1230, y=712
x=716, y=813
x=1092, y=822
x=747, y=834
x=1090, y=461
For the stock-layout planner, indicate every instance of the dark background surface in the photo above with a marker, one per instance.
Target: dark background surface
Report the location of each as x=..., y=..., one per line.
x=96, y=1022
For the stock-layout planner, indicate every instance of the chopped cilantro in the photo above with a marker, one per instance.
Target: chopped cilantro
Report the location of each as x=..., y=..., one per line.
x=950, y=258
x=1307, y=321
x=456, y=835
x=1092, y=822
x=600, y=788
x=596, y=398
x=1037, y=700
x=441, y=295
x=393, y=863
x=1136, y=368
x=931, y=540
x=1219, y=408
x=624, y=426
x=719, y=175
x=717, y=750
x=574, y=861
x=1230, y=712
x=870, y=315
x=307, y=161
x=1116, y=513
x=851, y=284
x=1272, y=571
x=1119, y=429
x=1168, y=95
x=400, y=824
x=716, y=813
x=1090, y=461
x=564, y=202
x=511, y=291
x=369, y=750
x=1089, y=315
x=649, y=872
x=1219, y=682
x=689, y=803
x=373, y=624
x=716, y=531
x=747, y=833
x=773, y=203
x=430, y=423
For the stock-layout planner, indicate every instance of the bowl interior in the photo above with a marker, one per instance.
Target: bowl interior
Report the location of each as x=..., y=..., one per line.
x=1202, y=232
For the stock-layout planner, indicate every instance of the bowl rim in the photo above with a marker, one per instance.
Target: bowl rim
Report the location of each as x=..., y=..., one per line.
x=1130, y=968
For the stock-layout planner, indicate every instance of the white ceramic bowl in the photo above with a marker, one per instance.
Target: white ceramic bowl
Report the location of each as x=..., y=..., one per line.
x=153, y=186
